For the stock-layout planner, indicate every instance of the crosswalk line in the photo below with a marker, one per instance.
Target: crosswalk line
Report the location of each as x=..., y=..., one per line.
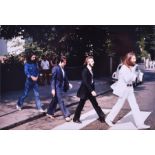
x=124, y=126
x=127, y=122
x=86, y=119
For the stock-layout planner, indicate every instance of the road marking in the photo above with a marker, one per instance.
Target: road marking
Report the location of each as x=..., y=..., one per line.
x=86, y=119
x=127, y=122
x=124, y=126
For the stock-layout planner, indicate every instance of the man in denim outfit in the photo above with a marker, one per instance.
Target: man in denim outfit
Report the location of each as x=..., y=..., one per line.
x=32, y=73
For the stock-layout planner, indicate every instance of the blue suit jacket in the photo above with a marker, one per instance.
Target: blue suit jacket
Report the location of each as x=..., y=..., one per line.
x=58, y=81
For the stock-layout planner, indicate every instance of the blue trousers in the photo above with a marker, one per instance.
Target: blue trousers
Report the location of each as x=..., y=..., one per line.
x=58, y=99
x=28, y=86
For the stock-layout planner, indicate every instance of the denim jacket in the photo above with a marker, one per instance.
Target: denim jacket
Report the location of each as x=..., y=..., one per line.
x=31, y=69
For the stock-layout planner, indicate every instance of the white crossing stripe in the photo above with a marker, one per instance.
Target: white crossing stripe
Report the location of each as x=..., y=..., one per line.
x=86, y=119
x=127, y=122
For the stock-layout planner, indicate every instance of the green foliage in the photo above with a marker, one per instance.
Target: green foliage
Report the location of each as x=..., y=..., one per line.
x=109, y=47
x=73, y=41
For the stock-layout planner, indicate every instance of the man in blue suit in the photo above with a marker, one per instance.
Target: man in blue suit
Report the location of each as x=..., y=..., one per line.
x=59, y=84
x=32, y=73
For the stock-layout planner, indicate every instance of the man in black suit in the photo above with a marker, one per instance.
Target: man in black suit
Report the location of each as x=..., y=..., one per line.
x=87, y=91
x=59, y=84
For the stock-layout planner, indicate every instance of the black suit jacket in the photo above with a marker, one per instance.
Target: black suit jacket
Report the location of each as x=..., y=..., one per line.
x=86, y=86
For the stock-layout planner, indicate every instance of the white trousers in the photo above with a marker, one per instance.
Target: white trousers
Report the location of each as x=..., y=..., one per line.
x=130, y=97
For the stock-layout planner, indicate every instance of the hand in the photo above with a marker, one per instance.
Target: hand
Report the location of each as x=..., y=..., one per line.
x=53, y=92
x=70, y=86
x=93, y=93
x=34, y=78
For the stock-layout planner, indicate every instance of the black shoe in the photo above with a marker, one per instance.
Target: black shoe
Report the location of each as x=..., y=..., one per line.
x=77, y=121
x=102, y=120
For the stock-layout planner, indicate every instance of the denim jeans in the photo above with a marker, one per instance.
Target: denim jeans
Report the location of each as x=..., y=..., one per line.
x=29, y=84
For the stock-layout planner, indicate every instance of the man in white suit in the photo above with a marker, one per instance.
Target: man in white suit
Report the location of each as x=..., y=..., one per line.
x=123, y=88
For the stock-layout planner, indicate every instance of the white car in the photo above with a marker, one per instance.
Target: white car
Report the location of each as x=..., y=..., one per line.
x=139, y=74
x=115, y=74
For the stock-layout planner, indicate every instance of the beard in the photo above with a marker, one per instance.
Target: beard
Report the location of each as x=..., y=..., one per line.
x=33, y=61
x=132, y=63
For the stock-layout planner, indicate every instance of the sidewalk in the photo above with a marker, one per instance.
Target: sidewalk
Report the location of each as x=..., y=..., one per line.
x=10, y=117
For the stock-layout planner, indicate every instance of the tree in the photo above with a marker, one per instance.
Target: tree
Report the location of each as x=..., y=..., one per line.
x=146, y=40
x=77, y=41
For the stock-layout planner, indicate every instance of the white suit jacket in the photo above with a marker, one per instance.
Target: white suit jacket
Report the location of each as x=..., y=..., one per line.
x=125, y=76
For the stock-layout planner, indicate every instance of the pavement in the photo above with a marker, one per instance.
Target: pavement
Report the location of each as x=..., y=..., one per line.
x=10, y=117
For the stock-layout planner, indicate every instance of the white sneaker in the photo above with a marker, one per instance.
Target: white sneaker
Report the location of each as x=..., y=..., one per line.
x=68, y=119
x=109, y=122
x=41, y=110
x=143, y=126
x=18, y=107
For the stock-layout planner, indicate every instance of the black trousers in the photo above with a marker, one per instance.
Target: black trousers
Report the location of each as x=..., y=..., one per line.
x=95, y=105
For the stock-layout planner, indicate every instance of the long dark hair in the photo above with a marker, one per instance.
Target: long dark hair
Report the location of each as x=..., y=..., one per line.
x=28, y=56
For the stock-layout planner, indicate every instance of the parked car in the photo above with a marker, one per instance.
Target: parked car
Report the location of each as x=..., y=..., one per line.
x=139, y=75
x=138, y=72
x=115, y=74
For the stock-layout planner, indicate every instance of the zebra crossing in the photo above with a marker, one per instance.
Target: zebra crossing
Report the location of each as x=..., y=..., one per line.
x=126, y=123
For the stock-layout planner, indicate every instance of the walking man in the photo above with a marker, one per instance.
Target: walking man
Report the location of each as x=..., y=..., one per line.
x=32, y=73
x=123, y=88
x=59, y=85
x=87, y=91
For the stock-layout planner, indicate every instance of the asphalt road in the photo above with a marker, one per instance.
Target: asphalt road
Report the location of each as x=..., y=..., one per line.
x=145, y=95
